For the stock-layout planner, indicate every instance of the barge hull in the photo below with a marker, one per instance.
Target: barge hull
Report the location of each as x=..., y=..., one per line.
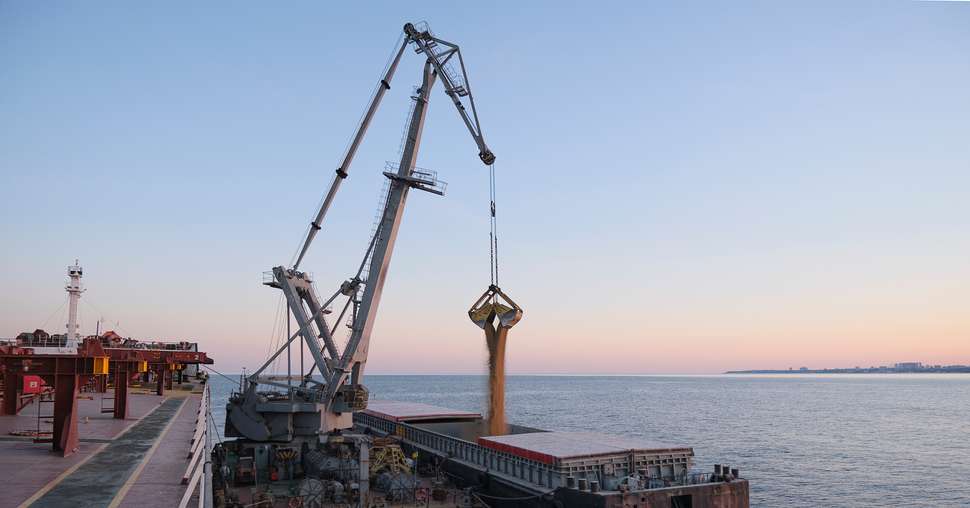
x=554, y=468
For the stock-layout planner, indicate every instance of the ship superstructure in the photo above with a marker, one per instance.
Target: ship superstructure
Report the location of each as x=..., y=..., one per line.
x=104, y=405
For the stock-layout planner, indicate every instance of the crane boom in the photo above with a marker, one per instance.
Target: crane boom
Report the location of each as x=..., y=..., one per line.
x=355, y=354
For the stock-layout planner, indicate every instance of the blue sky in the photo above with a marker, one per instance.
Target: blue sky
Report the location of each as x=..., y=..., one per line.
x=682, y=187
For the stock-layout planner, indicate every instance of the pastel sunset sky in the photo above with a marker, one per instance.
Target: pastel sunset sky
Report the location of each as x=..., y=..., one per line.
x=682, y=188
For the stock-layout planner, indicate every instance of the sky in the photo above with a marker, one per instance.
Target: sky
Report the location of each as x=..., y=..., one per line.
x=683, y=187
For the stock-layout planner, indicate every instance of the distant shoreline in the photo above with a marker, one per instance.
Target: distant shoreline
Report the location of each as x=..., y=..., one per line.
x=949, y=369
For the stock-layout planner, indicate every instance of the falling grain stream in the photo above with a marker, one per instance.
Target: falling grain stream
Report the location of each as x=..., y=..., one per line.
x=496, y=319
x=496, y=380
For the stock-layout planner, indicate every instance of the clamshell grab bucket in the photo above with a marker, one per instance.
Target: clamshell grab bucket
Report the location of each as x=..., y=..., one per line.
x=495, y=304
x=495, y=313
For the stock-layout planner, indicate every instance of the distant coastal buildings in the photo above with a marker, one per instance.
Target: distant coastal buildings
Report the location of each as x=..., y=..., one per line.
x=898, y=368
x=910, y=366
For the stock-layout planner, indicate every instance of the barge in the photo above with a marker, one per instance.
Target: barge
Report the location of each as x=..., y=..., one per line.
x=555, y=468
x=407, y=454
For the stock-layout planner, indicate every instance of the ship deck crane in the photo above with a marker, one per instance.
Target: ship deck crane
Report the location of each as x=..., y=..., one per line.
x=313, y=406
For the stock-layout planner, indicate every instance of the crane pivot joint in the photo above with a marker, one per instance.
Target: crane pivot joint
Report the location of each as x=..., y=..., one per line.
x=349, y=287
x=487, y=157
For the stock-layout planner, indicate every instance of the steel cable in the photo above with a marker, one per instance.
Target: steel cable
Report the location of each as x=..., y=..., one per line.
x=58, y=311
x=493, y=227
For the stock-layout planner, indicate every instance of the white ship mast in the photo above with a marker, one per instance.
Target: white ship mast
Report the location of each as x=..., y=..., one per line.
x=74, y=291
x=74, y=294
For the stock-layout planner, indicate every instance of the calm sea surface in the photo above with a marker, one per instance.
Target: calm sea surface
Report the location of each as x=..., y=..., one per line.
x=802, y=440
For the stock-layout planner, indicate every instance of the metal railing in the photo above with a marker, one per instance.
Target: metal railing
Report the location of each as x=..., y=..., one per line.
x=683, y=480
x=269, y=278
x=53, y=341
x=521, y=469
x=197, y=476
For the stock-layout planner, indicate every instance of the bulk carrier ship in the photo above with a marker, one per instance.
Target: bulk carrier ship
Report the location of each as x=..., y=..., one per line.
x=318, y=440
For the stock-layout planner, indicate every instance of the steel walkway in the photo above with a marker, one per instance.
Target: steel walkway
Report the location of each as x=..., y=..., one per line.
x=97, y=481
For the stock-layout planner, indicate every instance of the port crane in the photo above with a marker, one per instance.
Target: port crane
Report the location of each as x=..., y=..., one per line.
x=312, y=406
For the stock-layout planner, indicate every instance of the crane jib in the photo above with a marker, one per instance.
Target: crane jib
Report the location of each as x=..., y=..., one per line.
x=456, y=87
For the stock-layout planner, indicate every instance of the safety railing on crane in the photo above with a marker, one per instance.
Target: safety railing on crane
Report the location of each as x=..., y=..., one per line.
x=269, y=279
x=457, y=78
x=197, y=475
x=427, y=177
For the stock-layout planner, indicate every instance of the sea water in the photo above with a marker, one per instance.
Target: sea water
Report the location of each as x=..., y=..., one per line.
x=801, y=440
